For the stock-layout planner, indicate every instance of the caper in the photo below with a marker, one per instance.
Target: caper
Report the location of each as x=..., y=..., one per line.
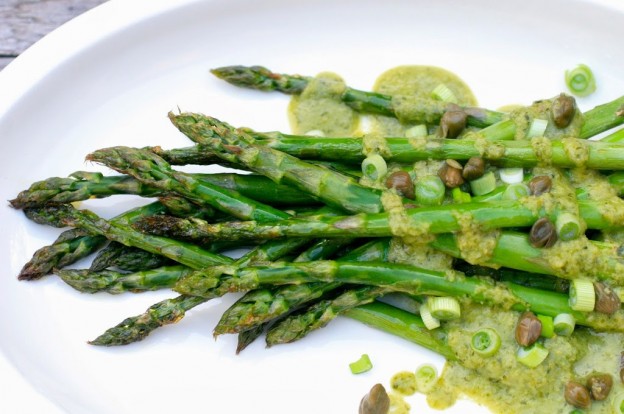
x=452, y=122
x=451, y=174
x=577, y=395
x=474, y=168
x=540, y=185
x=402, y=182
x=376, y=401
x=607, y=300
x=543, y=233
x=599, y=386
x=528, y=329
x=563, y=110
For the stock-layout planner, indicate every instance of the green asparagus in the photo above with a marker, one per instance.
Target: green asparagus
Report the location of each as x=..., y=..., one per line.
x=219, y=280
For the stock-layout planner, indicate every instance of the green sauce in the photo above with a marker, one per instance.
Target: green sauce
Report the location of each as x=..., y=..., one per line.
x=498, y=382
x=319, y=108
x=504, y=385
x=408, y=85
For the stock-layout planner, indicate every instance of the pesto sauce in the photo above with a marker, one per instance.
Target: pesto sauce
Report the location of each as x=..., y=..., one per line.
x=408, y=85
x=319, y=108
x=500, y=383
x=504, y=385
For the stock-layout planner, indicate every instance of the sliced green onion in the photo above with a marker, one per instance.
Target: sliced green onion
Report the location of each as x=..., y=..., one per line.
x=511, y=175
x=533, y=355
x=418, y=131
x=580, y=80
x=484, y=184
x=429, y=190
x=618, y=404
x=548, y=326
x=443, y=93
x=537, y=128
x=315, y=133
x=361, y=365
x=516, y=191
x=460, y=196
x=564, y=324
x=582, y=295
x=426, y=377
x=568, y=226
x=577, y=411
x=428, y=319
x=374, y=167
x=485, y=342
x=444, y=307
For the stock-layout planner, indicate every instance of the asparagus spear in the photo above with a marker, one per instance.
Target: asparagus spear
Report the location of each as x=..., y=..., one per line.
x=121, y=231
x=319, y=314
x=150, y=169
x=593, y=259
x=403, y=324
x=433, y=220
x=71, y=246
x=245, y=338
x=75, y=244
x=332, y=188
x=83, y=185
x=264, y=305
x=88, y=281
x=171, y=310
x=396, y=277
x=137, y=328
x=428, y=110
x=521, y=153
x=198, y=154
x=126, y=258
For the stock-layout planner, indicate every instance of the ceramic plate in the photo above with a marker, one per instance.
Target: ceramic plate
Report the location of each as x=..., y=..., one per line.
x=109, y=78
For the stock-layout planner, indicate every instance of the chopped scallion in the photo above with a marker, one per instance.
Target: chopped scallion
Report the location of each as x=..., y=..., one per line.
x=361, y=365
x=568, y=226
x=374, y=167
x=582, y=295
x=485, y=342
x=444, y=307
x=511, y=175
x=428, y=319
x=580, y=80
x=564, y=324
x=426, y=377
x=537, y=128
x=429, y=190
x=484, y=184
x=533, y=355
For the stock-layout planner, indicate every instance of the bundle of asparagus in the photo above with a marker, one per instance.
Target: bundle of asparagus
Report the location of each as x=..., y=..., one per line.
x=528, y=224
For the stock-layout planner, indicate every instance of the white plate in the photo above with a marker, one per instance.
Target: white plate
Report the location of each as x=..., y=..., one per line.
x=109, y=78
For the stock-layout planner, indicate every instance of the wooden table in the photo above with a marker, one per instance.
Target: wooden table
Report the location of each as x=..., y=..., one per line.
x=23, y=22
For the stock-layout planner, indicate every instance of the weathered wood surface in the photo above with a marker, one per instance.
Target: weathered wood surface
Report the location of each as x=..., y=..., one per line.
x=23, y=22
